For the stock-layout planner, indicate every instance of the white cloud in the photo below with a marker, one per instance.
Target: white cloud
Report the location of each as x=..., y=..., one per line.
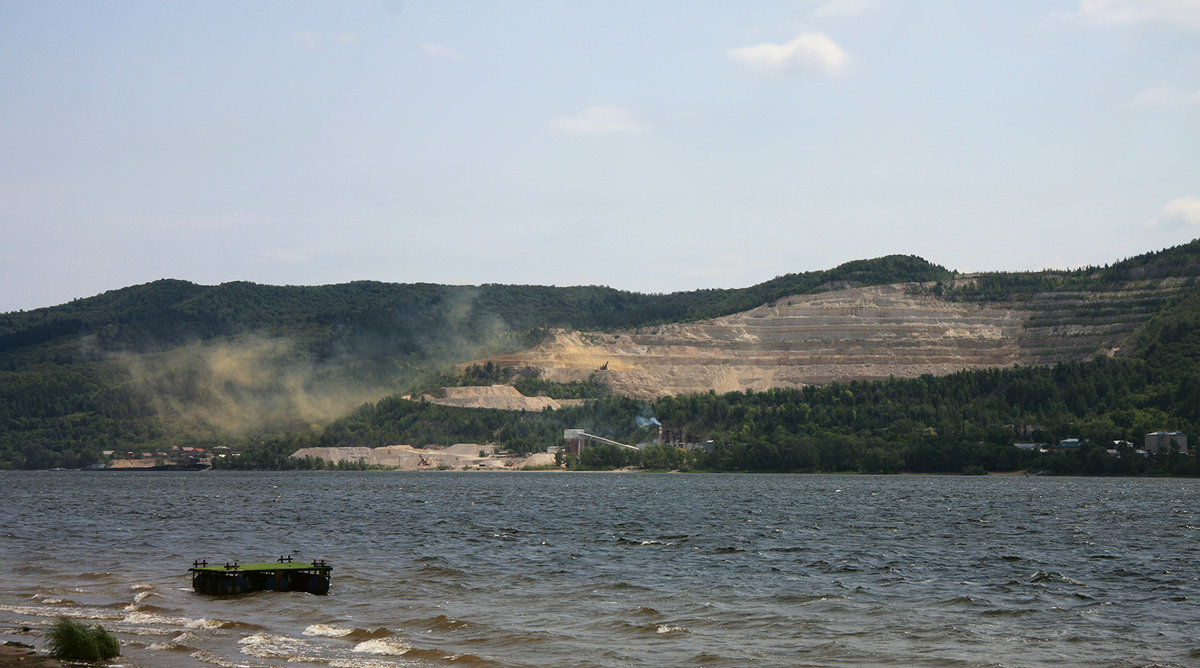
x=601, y=119
x=307, y=37
x=1177, y=213
x=1183, y=13
x=347, y=38
x=1166, y=97
x=441, y=52
x=810, y=50
x=844, y=8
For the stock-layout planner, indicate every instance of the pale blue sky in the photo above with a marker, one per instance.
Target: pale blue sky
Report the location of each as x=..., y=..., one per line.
x=650, y=146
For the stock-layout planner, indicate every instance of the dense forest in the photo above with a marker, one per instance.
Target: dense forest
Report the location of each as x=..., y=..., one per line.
x=965, y=422
x=259, y=368
x=174, y=363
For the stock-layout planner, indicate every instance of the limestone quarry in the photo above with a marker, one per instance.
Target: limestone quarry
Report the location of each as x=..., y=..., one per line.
x=857, y=333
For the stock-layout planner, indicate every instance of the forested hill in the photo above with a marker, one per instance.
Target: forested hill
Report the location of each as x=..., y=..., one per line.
x=166, y=313
x=171, y=362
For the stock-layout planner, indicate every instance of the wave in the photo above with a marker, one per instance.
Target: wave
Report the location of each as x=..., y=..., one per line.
x=437, y=568
x=97, y=576
x=264, y=645
x=143, y=595
x=210, y=624
x=804, y=598
x=67, y=609
x=180, y=643
x=145, y=607
x=640, y=543
x=352, y=633
x=383, y=646
x=143, y=617
x=646, y=628
x=1010, y=612
x=440, y=623
x=1049, y=576
x=53, y=600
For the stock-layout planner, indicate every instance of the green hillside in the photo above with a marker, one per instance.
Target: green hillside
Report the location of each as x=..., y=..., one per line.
x=272, y=367
x=965, y=422
x=172, y=363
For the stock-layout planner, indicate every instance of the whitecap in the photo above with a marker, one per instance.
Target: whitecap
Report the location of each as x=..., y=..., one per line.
x=389, y=646
x=270, y=646
x=205, y=623
x=361, y=663
x=139, y=617
x=327, y=630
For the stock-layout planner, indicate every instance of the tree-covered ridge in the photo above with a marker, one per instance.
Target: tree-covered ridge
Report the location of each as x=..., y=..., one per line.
x=136, y=367
x=171, y=362
x=967, y=421
x=1178, y=262
x=169, y=312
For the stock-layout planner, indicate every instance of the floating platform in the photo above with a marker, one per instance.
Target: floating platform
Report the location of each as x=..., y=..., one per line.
x=282, y=575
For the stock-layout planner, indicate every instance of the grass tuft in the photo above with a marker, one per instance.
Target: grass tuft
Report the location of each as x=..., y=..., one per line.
x=73, y=641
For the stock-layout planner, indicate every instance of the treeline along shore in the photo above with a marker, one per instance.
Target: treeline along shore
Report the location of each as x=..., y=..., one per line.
x=266, y=371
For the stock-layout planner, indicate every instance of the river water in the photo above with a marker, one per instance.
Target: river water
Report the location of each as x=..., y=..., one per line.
x=562, y=569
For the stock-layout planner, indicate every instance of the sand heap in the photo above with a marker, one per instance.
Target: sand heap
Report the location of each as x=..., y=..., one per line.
x=408, y=458
x=505, y=397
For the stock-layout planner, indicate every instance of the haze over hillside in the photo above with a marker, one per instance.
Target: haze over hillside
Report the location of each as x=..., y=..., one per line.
x=899, y=330
x=174, y=362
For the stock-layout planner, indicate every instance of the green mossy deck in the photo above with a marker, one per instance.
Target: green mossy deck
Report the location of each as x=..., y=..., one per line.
x=283, y=575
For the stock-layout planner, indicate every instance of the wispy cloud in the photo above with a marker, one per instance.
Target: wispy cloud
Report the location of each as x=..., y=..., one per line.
x=600, y=120
x=1180, y=13
x=441, y=52
x=1166, y=96
x=1178, y=212
x=844, y=8
x=191, y=223
x=308, y=38
x=808, y=51
x=311, y=39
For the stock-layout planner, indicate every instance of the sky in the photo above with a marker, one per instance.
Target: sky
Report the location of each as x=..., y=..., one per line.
x=647, y=146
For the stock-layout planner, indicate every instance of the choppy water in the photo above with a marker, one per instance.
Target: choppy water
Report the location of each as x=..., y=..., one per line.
x=549, y=569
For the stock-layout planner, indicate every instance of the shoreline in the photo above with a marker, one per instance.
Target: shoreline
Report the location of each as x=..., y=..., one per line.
x=19, y=656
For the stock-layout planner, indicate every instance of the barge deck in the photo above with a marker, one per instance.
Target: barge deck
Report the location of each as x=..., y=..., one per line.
x=282, y=575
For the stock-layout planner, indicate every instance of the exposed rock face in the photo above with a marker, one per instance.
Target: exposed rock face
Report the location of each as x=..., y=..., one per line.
x=862, y=333
x=858, y=333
